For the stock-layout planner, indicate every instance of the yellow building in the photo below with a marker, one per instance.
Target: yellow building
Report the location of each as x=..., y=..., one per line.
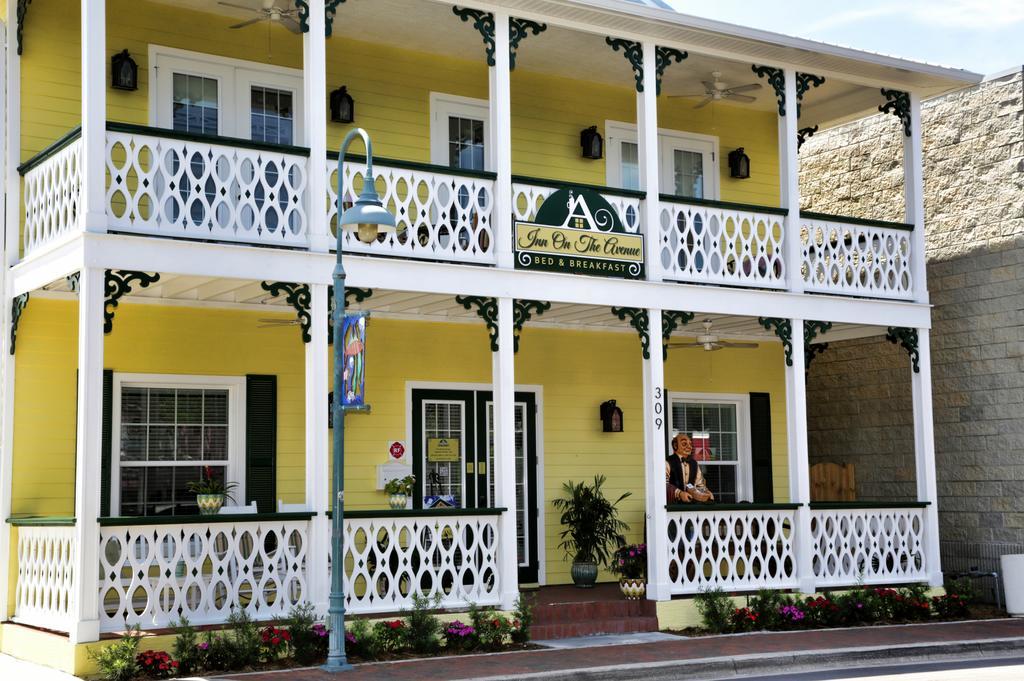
x=597, y=201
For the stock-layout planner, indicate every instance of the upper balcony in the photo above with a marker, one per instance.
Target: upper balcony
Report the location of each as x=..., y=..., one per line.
x=219, y=142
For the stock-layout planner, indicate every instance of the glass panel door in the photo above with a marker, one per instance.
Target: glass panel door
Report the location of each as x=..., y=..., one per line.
x=688, y=167
x=444, y=438
x=522, y=479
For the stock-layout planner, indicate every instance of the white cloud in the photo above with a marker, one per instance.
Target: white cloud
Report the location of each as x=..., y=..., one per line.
x=980, y=15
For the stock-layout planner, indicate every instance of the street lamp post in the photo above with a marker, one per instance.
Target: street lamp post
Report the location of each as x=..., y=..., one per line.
x=367, y=218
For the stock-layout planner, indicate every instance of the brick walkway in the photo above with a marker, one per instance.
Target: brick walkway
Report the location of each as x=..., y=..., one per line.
x=468, y=667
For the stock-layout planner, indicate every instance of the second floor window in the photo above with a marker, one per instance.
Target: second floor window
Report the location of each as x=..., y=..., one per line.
x=465, y=143
x=272, y=116
x=195, y=105
x=459, y=129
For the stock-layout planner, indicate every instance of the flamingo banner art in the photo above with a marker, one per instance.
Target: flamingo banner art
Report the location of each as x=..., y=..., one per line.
x=354, y=381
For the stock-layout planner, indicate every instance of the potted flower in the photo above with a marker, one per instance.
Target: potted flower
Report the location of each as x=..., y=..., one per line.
x=592, y=528
x=211, y=492
x=398, y=491
x=630, y=564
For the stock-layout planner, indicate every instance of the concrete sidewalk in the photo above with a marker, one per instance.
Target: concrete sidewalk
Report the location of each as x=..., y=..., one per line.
x=704, y=657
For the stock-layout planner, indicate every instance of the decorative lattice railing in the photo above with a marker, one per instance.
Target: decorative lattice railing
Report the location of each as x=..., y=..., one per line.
x=528, y=194
x=869, y=545
x=169, y=184
x=442, y=214
x=43, y=596
x=735, y=548
x=388, y=560
x=152, y=575
x=721, y=243
x=856, y=257
x=52, y=193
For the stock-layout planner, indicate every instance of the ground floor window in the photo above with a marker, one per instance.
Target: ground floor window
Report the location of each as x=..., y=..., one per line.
x=720, y=429
x=166, y=431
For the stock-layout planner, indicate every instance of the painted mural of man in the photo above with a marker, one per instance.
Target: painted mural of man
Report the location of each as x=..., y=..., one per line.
x=684, y=481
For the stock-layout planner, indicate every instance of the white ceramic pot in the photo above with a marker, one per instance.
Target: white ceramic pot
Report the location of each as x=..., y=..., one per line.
x=633, y=589
x=1013, y=583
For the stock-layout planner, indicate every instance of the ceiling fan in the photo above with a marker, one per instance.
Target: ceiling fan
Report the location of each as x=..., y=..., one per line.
x=710, y=342
x=269, y=12
x=715, y=90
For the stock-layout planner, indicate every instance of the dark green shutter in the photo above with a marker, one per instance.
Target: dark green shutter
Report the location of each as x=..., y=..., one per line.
x=261, y=442
x=106, y=443
x=761, y=447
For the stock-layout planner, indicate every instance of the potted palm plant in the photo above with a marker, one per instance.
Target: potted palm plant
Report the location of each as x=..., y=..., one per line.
x=592, y=528
x=211, y=492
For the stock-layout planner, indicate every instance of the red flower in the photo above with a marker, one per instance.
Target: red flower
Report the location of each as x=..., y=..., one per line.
x=395, y=624
x=174, y=664
x=163, y=666
x=275, y=640
x=287, y=636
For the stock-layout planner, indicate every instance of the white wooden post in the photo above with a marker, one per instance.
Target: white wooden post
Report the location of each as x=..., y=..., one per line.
x=85, y=625
x=647, y=130
x=924, y=450
x=12, y=141
x=501, y=141
x=505, y=454
x=913, y=183
x=93, y=211
x=799, y=464
x=659, y=588
x=6, y=449
x=317, y=478
x=314, y=95
x=789, y=181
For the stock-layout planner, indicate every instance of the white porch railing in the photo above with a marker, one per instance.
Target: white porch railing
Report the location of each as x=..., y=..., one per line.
x=856, y=257
x=168, y=184
x=52, y=193
x=733, y=547
x=43, y=596
x=528, y=194
x=442, y=214
x=870, y=545
x=390, y=558
x=720, y=243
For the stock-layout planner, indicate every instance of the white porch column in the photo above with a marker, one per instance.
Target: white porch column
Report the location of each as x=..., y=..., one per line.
x=789, y=182
x=85, y=624
x=501, y=136
x=658, y=586
x=6, y=447
x=924, y=449
x=314, y=97
x=317, y=478
x=504, y=381
x=12, y=139
x=913, y=183
x=647, y=132
x=799, y=464
x=93, y=211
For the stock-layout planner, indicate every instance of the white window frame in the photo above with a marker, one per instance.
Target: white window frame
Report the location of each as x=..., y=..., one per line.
x=235, y=386
x=617, y=132
x=235, y=77
x=443, y=105
x=744, y=465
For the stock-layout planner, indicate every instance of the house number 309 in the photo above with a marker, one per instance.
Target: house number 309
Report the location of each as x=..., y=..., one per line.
x=659, y=409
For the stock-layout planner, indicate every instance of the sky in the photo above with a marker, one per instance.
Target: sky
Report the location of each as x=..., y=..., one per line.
x=984, y=36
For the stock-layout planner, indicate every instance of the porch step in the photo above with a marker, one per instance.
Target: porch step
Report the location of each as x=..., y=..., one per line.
x=573, y=618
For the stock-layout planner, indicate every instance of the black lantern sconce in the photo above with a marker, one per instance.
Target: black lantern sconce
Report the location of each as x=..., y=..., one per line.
x=611, y=417
x=739, y=164
x=593, y=145
x=343, y=109
x=124, y=72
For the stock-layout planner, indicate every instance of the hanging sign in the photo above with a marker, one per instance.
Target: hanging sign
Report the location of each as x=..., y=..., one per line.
x=576, y=230
x=353, y=333
x=442, y=449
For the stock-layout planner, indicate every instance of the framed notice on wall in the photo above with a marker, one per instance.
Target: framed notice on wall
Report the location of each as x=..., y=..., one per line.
x=441, y=449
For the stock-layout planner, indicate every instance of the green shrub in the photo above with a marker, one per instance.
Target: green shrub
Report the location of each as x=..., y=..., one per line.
x=246, y=638
x=116, y=662
x=360, y=641
x=767, y=604
x=389, y=636
x=522, y=620
x=492, y=628
x=218, y=652
x=422, y=628
x=952, y=606
x=309, y=640
x=715, y=608
x=964, y=587
x=822, y=611
x=186, y=648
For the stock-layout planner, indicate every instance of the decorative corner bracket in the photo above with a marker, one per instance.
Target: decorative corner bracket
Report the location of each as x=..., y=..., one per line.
x=523, y=311
x=777, y=79
x=303, y=7
x=296, y=295
x=358, y=294
x=487, y=310
x=804, y=82
x=18, y=305
x=783, y=328
x=517, y=32
x=22, y=13
x=908, y=340
x=634, y=53
x=117, y=284
x=73, y=280
x=639, y=320
x=670, y=321
x=665, y=56
x=804, y=134
x=482, y=22
x=898, y=104
x=812, y=330
x=331, y=10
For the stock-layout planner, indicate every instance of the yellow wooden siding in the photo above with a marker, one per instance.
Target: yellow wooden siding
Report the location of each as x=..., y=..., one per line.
x=577, y=370
x=391, y=87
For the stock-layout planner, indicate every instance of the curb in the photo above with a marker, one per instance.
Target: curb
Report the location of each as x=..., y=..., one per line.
x=735, y=666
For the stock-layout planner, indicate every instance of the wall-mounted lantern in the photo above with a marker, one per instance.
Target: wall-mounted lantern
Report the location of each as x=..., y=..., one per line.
x=739, y=164
x=343, y=109
x=124, y=72
x=592, y=143
x=611, y=417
